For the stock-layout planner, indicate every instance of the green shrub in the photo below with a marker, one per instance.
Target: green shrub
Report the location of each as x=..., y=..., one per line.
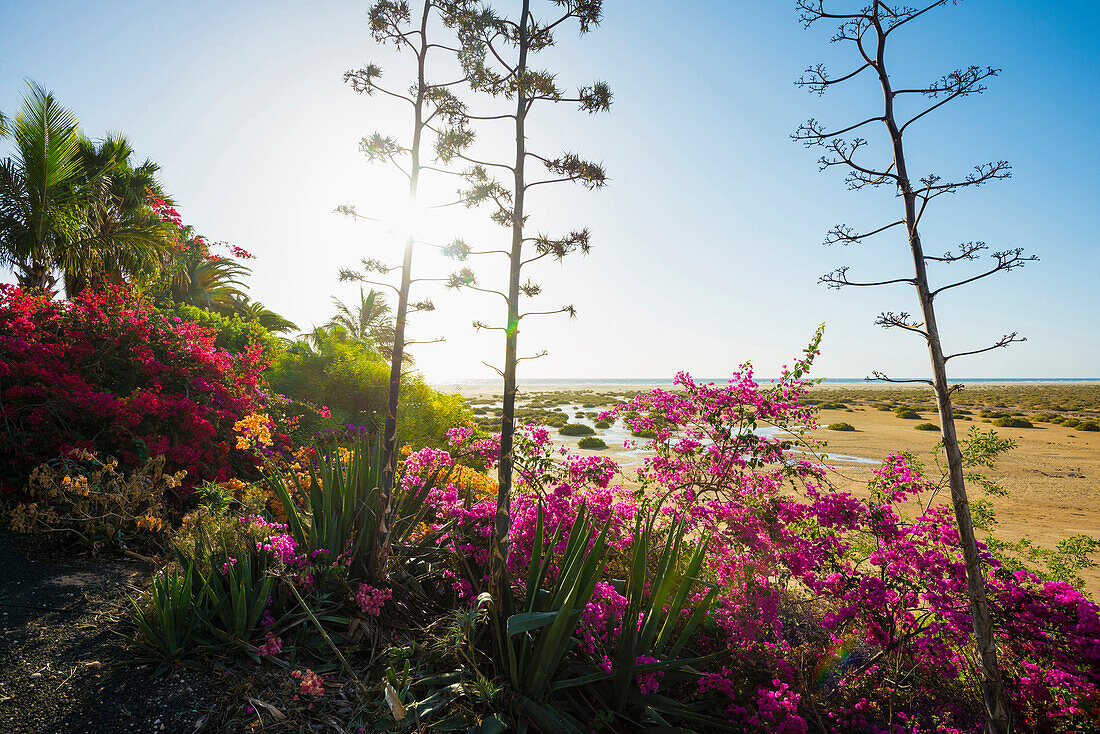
x=926, y=427
x=592, y=442
x=883, y=407
x=576, y=429
x=1012, y=422
x=907, y=414
x=1070, y=422
x=644, y=434
x=1089, y=426
x=602, y=424
x=352, y=380
x=840, y=426
x=234, y=333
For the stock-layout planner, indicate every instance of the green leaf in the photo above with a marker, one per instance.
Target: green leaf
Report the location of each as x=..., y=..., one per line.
x=527, y=621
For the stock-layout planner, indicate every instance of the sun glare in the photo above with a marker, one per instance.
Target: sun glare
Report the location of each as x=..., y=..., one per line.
x=407, y=217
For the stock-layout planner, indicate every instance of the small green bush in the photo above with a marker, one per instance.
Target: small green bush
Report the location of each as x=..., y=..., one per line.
x=644, y=434
x=883, y=407
x=591, y=442
x=926, y=427
x=840, y=427
x=907, y=414
x=1012, y=422
x=1089, y=426
x=602, y=424
x=576, y=429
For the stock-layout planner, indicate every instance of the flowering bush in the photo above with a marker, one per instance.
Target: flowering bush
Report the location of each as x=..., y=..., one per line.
x=832, y=609
x=106, y=373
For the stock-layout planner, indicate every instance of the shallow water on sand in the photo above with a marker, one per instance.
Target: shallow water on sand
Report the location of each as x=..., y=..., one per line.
x=619, y=433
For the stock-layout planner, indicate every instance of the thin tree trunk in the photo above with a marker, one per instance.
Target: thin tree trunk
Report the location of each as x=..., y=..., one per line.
x=499, y=586
x=997, y=720
x=382, y=536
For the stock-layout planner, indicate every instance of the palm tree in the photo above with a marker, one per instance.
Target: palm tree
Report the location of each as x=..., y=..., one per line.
x=368, y=322
x=122, y=237
x=266, y=318
x=195, y=277
x=71, y=205
x=40, y=210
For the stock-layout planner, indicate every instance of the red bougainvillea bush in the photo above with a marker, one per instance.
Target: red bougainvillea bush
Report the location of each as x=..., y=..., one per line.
x=105, y=373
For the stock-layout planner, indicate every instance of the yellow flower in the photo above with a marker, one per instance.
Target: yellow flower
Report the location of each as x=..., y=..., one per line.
x=175, y=480
x=233, y=485
x=148, y=522
x=254, y=428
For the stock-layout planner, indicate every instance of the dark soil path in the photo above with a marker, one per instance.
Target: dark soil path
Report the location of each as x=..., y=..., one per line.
x=64, y=668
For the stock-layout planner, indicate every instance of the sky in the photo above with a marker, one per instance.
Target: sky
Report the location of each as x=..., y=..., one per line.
x=708, y=238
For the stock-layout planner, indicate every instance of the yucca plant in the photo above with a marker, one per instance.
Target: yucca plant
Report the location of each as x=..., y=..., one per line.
x=537, y=638
x=169, y=626
x=658, y=603
x=558, y=693
x=236, y=595
x=342, y=498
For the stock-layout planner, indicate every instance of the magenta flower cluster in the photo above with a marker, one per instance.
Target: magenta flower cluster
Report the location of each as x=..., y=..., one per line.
x=833, y=608
x=371, y=599
x=309, y=683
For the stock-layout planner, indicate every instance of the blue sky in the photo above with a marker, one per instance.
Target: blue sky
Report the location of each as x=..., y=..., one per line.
x=708, y=239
